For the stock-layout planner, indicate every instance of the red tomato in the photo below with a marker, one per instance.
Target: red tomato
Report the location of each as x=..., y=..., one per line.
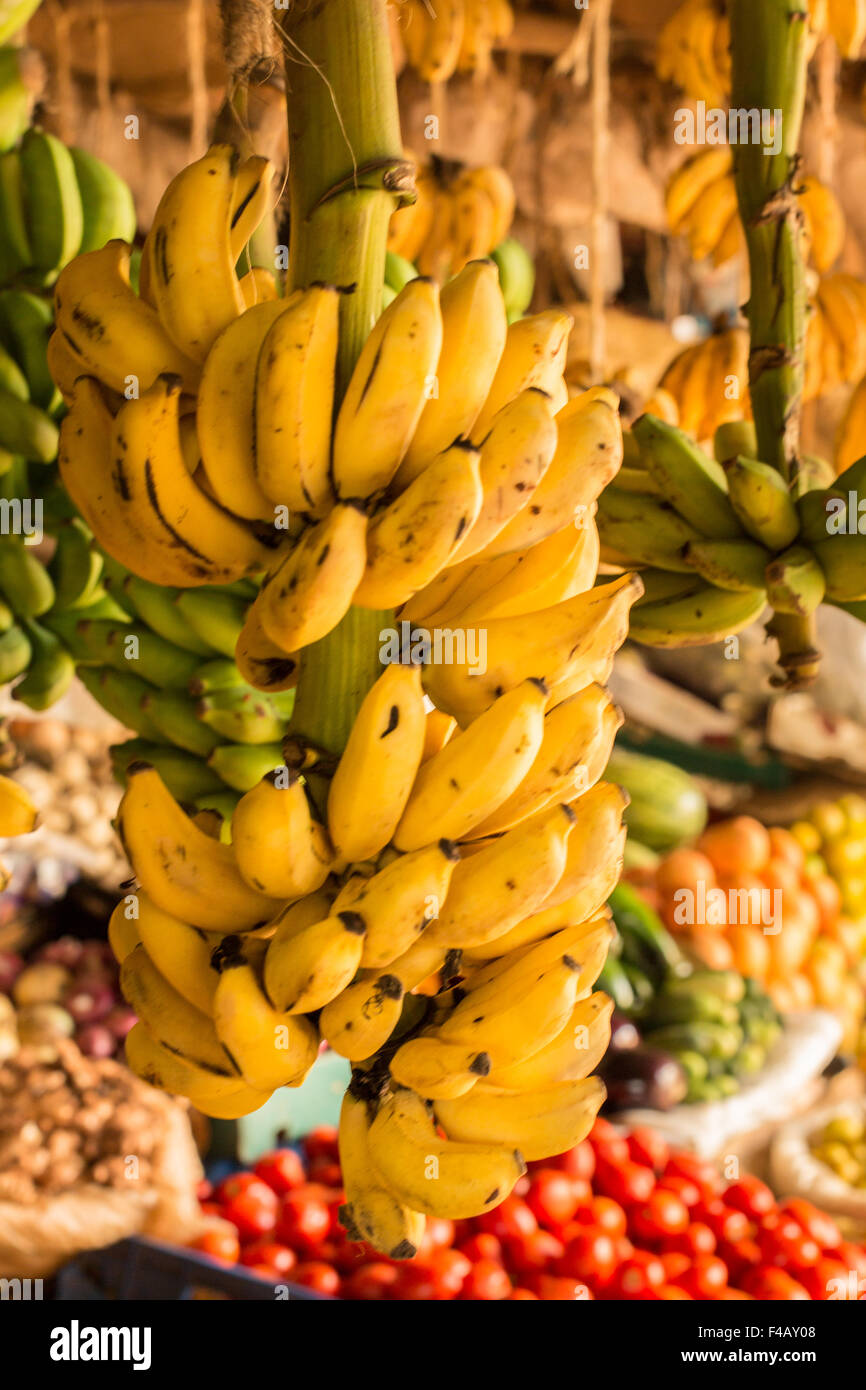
x=773, y=1285
x=449, y=1269
x=220, y=1243
x=317, y=1275
x=372, y=1282
x=440, y=1232
x=249, y=1204
x=638, y=1276
x=853, y=1256
x=739, y=1256
x=551, y=1288
x=521, y=1296
x=751, y=1196
x=704, y=1278
x=415, y=1283
x=724, y=1222
x=278, y=1258
x=281, y=1169
x=698, y=1239
x=671, y=1291
x=513, y=1217
x=482, y=1246
x=486, y=1281
x=647, y=1147
x=602, y=1129
x=783, y=1242
x=326, y=1171
x=687, y=1190
x=303, y=1222
x=613, y=1148
x=536, y=1250
x=627, y=1183
x=604, y=1213
x=661, y=1215
x=828, y=1279
x=697, y=1170
x=578, y=1162
x=816, y=1223
x=676, y=1262
x=591, y=1258
x=322, y=1142
x=212, y=1209
x=553, y=1196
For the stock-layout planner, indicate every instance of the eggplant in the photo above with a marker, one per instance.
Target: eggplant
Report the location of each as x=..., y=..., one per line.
x=643, y=1077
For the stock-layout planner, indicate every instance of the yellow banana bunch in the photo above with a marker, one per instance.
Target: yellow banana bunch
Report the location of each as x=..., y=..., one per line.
x=18, y=816
x=701, y=204
x=453, y=36
x=453, y=222
x=709, y=382
x=836, y=334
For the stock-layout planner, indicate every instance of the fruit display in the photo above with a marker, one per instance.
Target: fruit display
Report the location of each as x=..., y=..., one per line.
x=701, y=203
x=715, y=1025
x=620, y=1216
x=458, y=216
x=457, y=36
x=833, y=838
x=746, y=898
x=708, y=383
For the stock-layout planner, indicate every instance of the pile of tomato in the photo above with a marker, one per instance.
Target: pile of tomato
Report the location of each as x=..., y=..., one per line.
x=621, y=1216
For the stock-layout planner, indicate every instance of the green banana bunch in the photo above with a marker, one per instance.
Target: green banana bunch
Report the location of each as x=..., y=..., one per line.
x=718, y=539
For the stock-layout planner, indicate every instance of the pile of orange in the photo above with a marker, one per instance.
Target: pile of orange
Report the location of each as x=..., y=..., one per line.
x=748, y=898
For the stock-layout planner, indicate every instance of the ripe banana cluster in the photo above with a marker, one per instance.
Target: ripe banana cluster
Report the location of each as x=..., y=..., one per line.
x=719, y=539
x=835, y=350
x=452, y=35
x=694, y=44
x=18, y=816
x=455, y=219
x=701, y=203
x=852, y=429
x=709, y=384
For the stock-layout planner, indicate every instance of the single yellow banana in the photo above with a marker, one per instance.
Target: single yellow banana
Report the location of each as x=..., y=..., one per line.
x=374, y=776
x=280, y=849
x=172, y=1020
x=414, y=537
x=260, y=661
x=362, y=1018
x=123, y=935
x=372, y=1212
x=305, y=969
x=571, y=1055
x=543, y=1122
x=525, y=581
x=595, y=850
x=438, y=1070
x=453, y=791
x=294, y=402
x=388, y=392
x=224, y=418
x=400, y=900
x=251, y=198
x=473, y=338
x=269, y=1048
x=311, y=590
x=534, y=355
x=192, y=270
x=108, y=327
x=185, y=872
x=181, y=953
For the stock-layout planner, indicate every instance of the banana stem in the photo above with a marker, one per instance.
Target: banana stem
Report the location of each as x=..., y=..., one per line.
x=768, y=55
x=347, y=173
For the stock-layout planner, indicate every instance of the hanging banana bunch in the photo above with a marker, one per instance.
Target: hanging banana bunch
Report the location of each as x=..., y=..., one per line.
x=351, y=880
x=452, y=35
x=457, y=218
x=694, y=45
x=701, y=204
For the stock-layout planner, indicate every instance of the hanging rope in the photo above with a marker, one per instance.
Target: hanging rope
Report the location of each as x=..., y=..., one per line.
x=62, y=84
x=102, y=36
x=196, y=42
x=600, y=106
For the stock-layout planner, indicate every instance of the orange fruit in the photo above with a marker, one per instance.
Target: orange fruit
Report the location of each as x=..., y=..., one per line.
x=828, y=895
x=789, y=946
x=684, y=868
x=750, y=950
x=739, y=845
x=711, y=948
x=784, y=845
x=780, y=874
x=746, y=898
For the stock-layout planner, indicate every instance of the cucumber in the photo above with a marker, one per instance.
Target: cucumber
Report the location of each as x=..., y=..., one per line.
x=646, y=942
x=716, y=1041
x=667, y=806
x=687, y=1008
x=726, y=985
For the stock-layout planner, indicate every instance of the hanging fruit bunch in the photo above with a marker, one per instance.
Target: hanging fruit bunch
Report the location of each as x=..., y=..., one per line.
x=357, y=873
x=459, y=215
x=835, y=352
x=852, y=429
x=701, y=203
x=694, y=44
x=708, y=382
x=452, y=36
